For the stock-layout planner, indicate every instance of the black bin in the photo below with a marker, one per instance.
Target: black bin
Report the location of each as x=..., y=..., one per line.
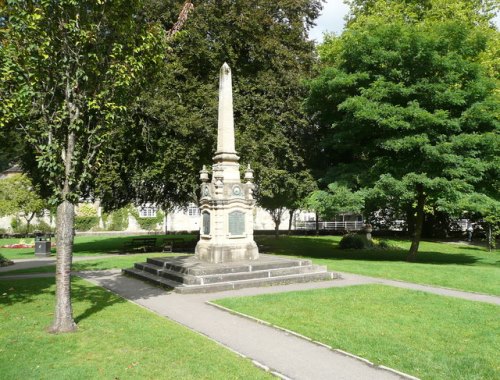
x=42, y=246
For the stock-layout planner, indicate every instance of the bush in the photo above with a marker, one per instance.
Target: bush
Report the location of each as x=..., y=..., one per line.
x=18, y=227
x=355, y=241
x=4, y=262
x=86, y=209
x=42, y=226
x=117, y=220
x=85, y=223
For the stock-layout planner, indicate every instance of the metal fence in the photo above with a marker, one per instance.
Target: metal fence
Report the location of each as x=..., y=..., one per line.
x=332, y=226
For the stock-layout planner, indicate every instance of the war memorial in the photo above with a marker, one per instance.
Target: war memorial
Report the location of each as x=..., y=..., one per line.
x=226, y=256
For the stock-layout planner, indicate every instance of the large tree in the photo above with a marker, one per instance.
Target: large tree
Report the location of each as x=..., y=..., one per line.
x=265, y=44
x=70, y=69
x=408, y=106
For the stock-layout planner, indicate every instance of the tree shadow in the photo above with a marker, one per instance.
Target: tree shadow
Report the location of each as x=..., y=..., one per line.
x=325, y=248
x=32, y=290
x=115, y=244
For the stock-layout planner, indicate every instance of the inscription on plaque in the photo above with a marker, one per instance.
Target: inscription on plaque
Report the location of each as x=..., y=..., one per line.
x=206, y=223
x=236, y=223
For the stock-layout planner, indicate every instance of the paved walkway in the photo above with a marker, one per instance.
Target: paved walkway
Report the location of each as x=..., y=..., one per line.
x=279, y=351
x=282, y=352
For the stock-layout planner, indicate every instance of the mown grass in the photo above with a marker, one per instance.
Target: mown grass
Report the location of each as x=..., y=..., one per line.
x=425, y=335
x=115, y=340
x=115, y=262
x=84, y=245
x=459, y=266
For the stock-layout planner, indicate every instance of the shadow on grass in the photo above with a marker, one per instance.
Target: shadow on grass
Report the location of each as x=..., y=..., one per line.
x=31, y=290
x=86, y=245
x=324, y=248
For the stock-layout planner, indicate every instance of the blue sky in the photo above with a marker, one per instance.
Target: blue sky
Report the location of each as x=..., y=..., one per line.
x=332, y=19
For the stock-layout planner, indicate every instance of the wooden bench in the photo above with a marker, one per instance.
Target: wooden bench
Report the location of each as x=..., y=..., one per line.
x=169, y=243
x=147, y=244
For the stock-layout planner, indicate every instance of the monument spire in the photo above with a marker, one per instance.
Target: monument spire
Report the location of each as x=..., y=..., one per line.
x=225, y=129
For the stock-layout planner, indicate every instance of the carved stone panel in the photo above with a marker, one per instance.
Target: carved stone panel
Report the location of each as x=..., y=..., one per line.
x=236, y=223
x=206, y=223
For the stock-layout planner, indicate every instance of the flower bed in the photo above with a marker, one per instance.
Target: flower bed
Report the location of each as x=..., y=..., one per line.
x=18, y=246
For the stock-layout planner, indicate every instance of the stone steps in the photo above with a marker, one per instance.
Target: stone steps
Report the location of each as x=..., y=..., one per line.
x=186, y=274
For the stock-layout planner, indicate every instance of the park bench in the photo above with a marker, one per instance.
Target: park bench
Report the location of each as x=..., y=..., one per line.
x=146, y=244
x=177, y=243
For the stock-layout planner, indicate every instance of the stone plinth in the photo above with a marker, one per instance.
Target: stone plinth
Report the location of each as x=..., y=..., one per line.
x=188, y=274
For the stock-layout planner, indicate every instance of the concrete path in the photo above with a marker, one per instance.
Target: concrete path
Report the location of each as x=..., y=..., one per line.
x=470, y=296
x=276, y=350
x=280, y=351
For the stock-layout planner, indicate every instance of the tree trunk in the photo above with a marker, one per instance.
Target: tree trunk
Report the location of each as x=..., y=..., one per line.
x=419, y=221
x=317, y=223
x=63, y=318
x=28, y=223
x=290, y=212
x=277, y=228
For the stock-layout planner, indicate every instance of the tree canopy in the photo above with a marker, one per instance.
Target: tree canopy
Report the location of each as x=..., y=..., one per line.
x=411, y=105
x=265, y=44
x=70, y=70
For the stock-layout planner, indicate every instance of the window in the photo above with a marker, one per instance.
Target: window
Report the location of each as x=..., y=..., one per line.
x=147, y=212
x=193, y=210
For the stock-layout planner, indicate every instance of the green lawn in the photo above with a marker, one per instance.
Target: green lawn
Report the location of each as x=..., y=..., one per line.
x=115, y=340
x=115, y=262
x=458, y=266
x=84, y=245
x=425, y=335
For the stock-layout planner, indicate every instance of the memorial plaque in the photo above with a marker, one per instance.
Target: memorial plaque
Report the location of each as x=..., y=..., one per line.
x=206, y=223
x=236, y=223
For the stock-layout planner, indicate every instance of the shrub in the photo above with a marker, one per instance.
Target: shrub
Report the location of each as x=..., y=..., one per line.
x=42, y=226
x=18, y=227
x=4, y=262
x=355, y=241
x=117, y=220
x=86, y=209
x=85, y=223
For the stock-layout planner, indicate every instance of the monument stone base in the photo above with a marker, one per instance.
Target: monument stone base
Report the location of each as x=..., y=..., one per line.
x=226, y=252
x=188, y=274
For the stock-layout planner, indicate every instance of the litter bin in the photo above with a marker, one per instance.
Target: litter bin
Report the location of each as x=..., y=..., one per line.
x=42, y=246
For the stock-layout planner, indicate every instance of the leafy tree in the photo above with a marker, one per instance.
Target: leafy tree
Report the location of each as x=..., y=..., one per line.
x=281, y=190
x=409, y=106
x=481, y=206
x=266, y=46
x=19, y=197
x=70, y=70
x=337, y=200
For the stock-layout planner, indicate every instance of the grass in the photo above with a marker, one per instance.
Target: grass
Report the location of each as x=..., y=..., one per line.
x=425, y=335
x=116, y=262
x=115, y=340
x=84, y=245
x=459, y=266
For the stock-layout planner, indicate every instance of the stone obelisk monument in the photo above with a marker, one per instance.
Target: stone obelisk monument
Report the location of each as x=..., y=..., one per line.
x=226, y=204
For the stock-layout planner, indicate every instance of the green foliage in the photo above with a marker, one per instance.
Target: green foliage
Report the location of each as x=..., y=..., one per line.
x=265, y=45
x=85, y=223
x=17, y=226
x=19, y=197
x=43, y=226
x=86, y=209
x=398, y=112
x=117, y=220
x=5, y=262
x=146, y=223
x=69, y=73
x=337, y=200
x=355, y=241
